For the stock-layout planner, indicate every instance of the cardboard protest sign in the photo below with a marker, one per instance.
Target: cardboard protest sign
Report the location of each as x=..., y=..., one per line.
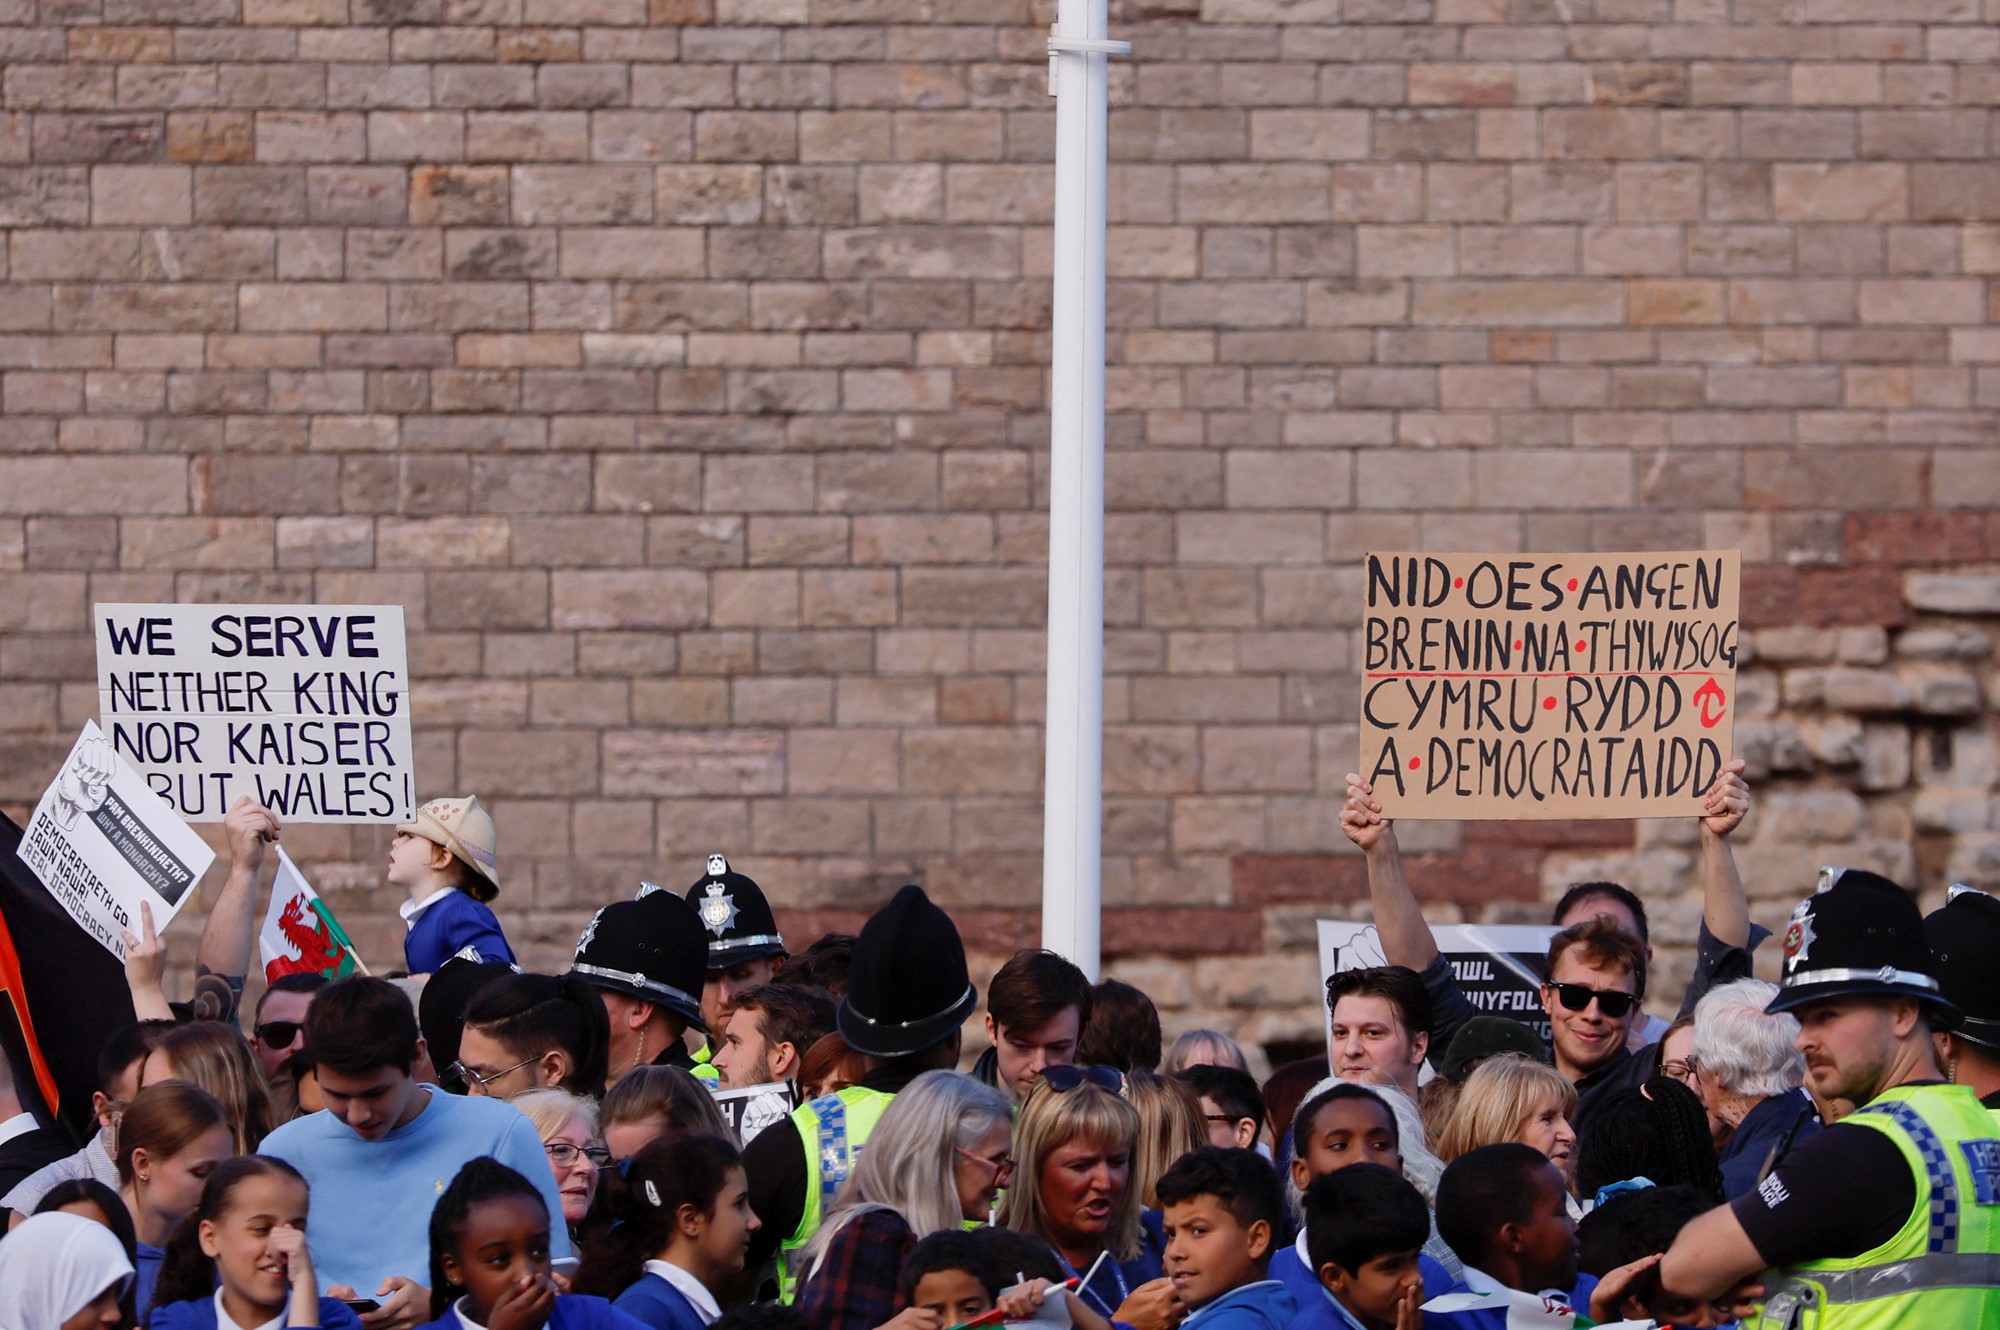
x=748, y=1109
x=1498, y=965
x=305, y=708
x=104, y=844
x=1547, y=685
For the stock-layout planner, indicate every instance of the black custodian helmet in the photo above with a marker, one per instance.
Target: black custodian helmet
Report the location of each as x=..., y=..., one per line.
x=737, y=918
x=650, y=948
x=1860, y=933
x=907, y=988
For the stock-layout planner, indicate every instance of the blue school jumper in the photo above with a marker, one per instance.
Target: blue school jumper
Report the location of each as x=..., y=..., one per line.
x=199, y=1314
x=1495, y=1318
x=573, y=1311
x=1264, y=1305
x=655, y=1303
x=449, y=925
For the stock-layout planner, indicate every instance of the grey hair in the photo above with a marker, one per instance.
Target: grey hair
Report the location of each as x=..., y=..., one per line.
x=909, y=1163
x=1196, y=1047
x=552, y=1108
x=1741, y=1047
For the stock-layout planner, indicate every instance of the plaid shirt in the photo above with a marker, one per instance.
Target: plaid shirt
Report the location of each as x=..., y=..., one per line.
x=855, y=1286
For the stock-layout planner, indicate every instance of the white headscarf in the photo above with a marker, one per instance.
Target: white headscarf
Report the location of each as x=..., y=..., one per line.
x=53, y=1266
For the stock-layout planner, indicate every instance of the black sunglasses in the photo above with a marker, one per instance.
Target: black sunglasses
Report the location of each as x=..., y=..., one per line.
x=1575, y=997
x=278, y=1034
x=1064, y=1078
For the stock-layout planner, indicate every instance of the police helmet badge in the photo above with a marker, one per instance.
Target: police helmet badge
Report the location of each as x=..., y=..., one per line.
x=589, y=932
x=1799, y=935
x=717, y=908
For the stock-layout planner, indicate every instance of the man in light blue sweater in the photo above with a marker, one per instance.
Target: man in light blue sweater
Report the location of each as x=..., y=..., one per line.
x=385, y=1147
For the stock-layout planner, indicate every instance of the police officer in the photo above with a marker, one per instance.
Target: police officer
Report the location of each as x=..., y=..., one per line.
x=907, y=995
x=1891, y=1216
x=646, y=959
x=744, y=947
x=1965, y=934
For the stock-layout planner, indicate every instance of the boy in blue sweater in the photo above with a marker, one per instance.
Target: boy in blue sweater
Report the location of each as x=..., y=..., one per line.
x=386, y=1146
x=1505, y=1210
x=1365, y=1228
x=1222, y=1209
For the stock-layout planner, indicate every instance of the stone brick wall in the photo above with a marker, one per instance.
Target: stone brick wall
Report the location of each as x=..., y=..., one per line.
x=679, y=365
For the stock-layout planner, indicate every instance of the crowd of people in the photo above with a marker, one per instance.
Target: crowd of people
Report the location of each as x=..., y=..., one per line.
x=701, y=1123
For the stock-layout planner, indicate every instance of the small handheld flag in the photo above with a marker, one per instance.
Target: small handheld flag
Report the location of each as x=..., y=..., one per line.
x=300, y=934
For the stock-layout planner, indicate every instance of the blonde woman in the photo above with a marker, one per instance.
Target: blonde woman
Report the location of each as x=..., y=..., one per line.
x=219, y=1059
x=937, y=1158
x=1511, y=1098
x=1170, y=1125
x=567, y=1124
x=1074, y=1142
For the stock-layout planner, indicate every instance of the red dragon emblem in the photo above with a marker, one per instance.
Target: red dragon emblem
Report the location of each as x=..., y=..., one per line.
x=318, y=953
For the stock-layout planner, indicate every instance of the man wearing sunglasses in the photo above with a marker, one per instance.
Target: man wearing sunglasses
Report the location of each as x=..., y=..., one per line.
x=280, y=1025
x=1723, y=953
x=1596, y=976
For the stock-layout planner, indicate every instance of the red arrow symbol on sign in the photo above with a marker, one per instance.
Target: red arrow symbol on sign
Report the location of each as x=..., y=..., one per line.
x=1711, y=692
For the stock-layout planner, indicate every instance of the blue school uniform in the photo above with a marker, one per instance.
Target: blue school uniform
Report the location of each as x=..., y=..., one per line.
x=1289, y=1268
x=657, y=1304
x=145, y=1274
x=573, y=1311
x=1495, y=1318
x=449, y=923
x=1115, y=1280
x=200, y=1314
x=1264, y=1305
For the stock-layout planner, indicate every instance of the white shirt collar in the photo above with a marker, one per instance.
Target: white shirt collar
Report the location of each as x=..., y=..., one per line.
x=223, y=1320
x=18, y=1125
x=691, y=1288
x=411, y=909
x=1478, y=1281
x=458, y=1310
x=1305, y=1259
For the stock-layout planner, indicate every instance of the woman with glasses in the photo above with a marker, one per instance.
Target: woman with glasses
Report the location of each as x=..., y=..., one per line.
x=1074, y=1142
x=567, y=1124
x=937, y=1159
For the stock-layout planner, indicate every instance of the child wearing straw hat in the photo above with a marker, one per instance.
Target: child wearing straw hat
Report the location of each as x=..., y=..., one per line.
x=445, y=862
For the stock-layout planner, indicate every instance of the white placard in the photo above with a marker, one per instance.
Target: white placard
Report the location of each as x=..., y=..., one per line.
x=305, y=708
x=103, y=844
x=1498, y=965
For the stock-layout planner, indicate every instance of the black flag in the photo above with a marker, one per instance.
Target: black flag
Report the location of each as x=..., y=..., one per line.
x=62, y=995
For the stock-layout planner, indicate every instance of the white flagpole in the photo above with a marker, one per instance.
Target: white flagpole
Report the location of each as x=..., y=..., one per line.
x=1072, y=850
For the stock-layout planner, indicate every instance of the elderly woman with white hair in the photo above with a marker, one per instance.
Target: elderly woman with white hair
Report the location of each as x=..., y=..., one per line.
x=1747, y=1069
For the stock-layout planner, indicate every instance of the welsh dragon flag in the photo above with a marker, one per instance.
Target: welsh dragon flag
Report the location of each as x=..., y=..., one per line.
x=300, y=934
x=1525, y=1311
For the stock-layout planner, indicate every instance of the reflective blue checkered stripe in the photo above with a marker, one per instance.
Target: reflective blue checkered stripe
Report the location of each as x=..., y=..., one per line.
x=1937, y=1164
x=834, y=1157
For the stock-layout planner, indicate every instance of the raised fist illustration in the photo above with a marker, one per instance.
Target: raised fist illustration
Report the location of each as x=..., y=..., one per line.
x=85, y=781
